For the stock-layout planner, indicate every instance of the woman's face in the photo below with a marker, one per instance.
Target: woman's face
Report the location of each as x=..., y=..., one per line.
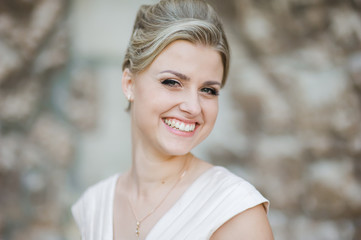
x=175, y=99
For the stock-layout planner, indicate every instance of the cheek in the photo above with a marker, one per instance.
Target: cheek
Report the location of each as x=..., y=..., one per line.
x=211, y=112
x=145, y=93
x=152, y=99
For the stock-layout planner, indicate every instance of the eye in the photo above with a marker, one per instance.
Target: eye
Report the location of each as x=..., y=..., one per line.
x=210, y=91
x=171, y=83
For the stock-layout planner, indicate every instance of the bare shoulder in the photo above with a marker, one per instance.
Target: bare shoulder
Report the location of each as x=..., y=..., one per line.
x=251, y=224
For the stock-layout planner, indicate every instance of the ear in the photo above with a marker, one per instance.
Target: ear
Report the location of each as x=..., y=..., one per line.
x=127, y=84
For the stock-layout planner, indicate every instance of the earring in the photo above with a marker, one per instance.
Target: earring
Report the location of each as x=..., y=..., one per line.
x=128, y=97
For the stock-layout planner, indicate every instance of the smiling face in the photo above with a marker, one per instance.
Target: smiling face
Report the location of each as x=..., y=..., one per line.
x=175, y=99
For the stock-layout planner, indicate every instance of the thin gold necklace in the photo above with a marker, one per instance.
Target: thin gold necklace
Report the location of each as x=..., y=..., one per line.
x=139, y=221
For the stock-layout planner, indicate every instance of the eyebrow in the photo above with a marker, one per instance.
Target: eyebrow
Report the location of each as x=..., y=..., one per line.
x=184, y=77
x=180, y=75
x=213, y=83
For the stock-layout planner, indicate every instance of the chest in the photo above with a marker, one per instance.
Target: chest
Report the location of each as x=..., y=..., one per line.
x=136, y=222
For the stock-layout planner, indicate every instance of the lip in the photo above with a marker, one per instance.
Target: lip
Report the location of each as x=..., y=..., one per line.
x=182, y=120
x=178, y=132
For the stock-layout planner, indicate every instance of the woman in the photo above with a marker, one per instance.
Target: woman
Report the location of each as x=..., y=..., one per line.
x=176, y=63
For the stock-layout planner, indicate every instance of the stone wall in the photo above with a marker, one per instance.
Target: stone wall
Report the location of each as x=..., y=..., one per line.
x=290, y=119
x=43, y=107
x=295, y=82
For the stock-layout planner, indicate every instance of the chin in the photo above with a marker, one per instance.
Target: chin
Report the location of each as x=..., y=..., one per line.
x=177, y=150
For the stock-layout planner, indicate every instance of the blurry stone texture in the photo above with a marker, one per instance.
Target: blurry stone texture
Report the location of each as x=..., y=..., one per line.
x=296, y=81
x=36, y=129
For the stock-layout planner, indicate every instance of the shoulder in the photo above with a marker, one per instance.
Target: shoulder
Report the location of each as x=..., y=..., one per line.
x=90, y=203
x=248, y=215
x=237, y=188
x=250, y=224
x=97, y=191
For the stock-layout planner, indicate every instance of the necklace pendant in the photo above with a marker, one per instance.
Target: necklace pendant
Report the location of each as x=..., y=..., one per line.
x=137, y=229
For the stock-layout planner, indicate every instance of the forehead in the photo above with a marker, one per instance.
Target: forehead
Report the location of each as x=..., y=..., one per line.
x=190, y=59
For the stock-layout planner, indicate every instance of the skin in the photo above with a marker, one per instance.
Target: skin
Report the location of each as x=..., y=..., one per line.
x=251, y=224
x=182, y=83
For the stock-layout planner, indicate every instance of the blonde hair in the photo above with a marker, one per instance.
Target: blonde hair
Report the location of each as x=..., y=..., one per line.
x=158, y=25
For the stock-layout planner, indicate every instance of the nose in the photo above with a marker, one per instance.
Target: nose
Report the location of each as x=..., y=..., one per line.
x=191, y=104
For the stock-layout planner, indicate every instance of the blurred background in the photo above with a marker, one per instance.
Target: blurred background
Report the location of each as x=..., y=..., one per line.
x=289, y=121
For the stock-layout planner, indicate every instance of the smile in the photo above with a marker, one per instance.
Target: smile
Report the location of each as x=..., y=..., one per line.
x=179, y=125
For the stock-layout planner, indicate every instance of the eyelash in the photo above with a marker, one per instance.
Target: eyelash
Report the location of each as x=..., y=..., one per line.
x=174, y=83
x=211, y=91
x=171, y=82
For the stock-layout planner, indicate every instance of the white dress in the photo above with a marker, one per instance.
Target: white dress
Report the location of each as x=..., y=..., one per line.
x=214, y=198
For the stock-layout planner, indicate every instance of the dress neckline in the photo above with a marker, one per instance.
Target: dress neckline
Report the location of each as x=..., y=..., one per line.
x=171, y=209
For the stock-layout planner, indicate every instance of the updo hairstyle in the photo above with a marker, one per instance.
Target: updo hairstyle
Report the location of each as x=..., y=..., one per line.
x=158, y=25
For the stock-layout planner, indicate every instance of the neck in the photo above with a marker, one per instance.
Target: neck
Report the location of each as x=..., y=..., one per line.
x=150, y=171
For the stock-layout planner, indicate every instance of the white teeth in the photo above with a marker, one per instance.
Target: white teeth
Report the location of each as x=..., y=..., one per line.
x=180, y=125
